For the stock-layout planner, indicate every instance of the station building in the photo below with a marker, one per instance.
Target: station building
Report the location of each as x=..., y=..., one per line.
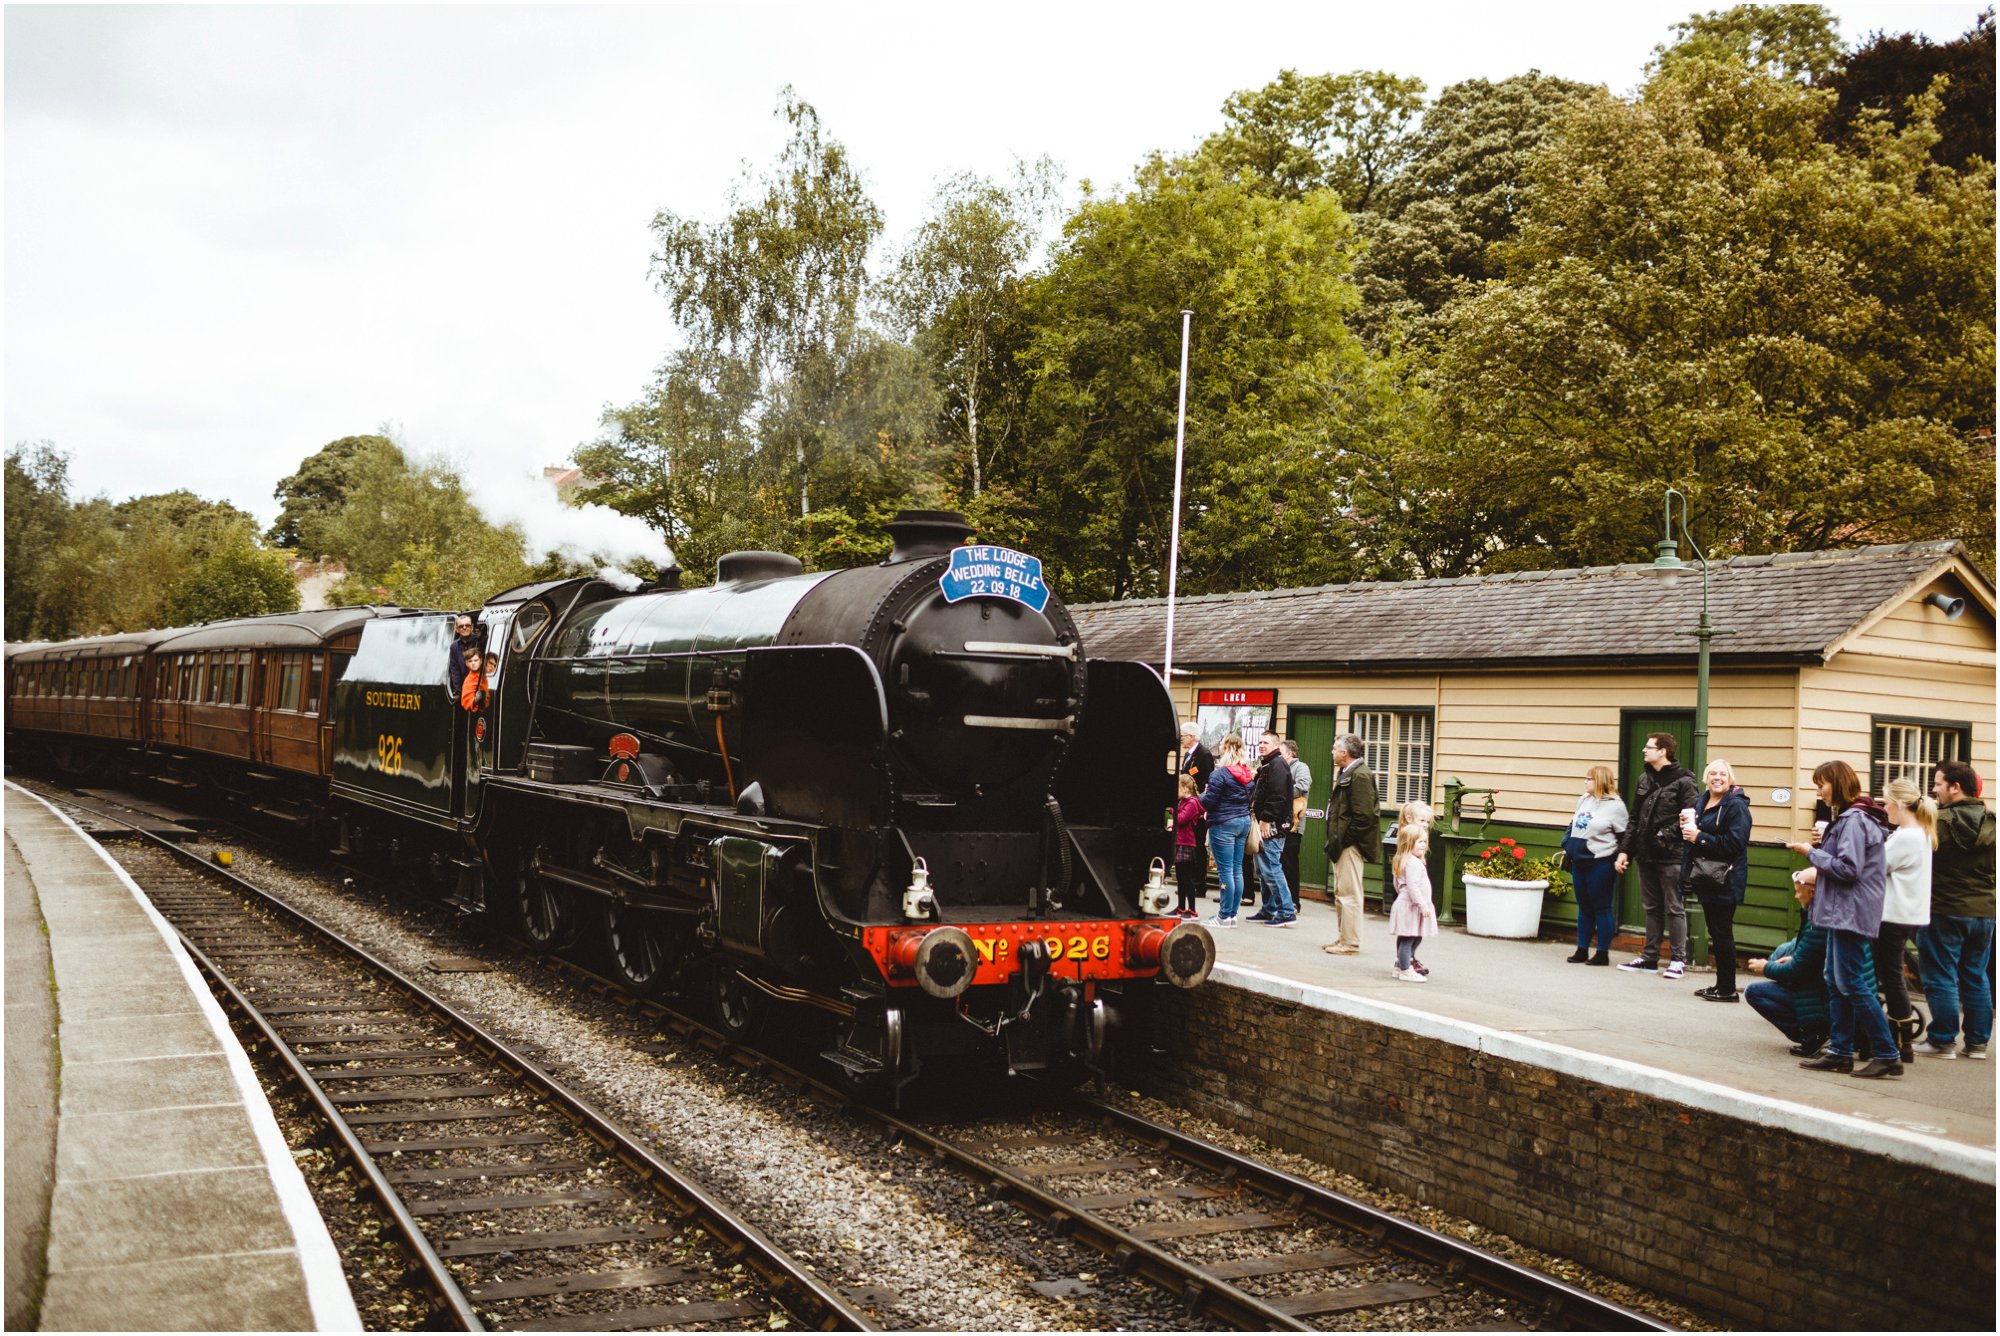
x=1509, y=687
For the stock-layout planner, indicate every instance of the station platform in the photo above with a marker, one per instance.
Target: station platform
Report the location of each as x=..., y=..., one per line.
x=1638, y=1031
x=148, y=1186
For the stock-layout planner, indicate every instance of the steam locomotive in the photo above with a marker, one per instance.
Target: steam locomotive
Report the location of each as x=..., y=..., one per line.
x=898, y=797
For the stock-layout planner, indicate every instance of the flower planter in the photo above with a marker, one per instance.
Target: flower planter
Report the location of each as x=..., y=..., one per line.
x=1495, y=908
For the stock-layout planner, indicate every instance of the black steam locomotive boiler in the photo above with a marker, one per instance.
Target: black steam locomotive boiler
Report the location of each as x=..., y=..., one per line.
x=897, y=797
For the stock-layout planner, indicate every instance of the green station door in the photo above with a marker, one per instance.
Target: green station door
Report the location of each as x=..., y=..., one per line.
x=1314, y=730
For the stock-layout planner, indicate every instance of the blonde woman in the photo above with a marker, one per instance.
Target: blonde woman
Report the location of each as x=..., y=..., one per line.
x=1718, y=839
x=1591, y=844
x=1906, y=905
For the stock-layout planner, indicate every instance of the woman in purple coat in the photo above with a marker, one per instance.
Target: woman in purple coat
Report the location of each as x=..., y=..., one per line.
x=1851, y=874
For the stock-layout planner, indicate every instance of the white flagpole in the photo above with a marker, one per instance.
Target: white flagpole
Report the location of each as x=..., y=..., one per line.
x=1174, y=545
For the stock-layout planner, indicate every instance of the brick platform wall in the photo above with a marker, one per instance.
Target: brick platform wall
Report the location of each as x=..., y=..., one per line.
x=1753, y=1225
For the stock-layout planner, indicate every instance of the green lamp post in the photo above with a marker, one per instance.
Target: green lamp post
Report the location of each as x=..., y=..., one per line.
x=1669, y=564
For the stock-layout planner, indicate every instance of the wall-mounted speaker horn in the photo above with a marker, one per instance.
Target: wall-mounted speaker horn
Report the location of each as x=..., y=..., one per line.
x=1952, y=608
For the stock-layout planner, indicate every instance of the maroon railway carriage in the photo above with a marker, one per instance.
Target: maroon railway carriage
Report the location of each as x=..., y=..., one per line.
x=231, y=702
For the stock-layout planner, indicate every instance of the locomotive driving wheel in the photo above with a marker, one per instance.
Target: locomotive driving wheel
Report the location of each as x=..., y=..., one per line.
x=545, y=910
x=736, y=1008
x=634, y=950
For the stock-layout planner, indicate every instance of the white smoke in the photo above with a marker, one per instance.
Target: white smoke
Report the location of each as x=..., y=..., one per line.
x=589, y=535
x=618, y=579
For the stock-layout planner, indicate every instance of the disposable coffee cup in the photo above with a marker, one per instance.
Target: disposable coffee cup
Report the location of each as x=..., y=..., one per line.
x=1819, y=829
x=1687, y=816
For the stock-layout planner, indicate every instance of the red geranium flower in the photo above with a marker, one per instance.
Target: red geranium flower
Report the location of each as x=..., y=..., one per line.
x=1520, y=853
x=1504, y=840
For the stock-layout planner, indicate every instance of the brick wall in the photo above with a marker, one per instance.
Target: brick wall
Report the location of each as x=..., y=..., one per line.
x=1753, y=1225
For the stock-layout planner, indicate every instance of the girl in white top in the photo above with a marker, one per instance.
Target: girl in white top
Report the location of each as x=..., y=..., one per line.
x=1412, y=917
x=1906, y=904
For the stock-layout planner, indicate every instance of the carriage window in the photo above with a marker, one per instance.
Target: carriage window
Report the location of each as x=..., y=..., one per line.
x=288, y=682
x=244, y=661
x=314, y=676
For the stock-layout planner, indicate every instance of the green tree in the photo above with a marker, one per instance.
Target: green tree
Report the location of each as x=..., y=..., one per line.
x=957, y=285
x=1279, y=390
x=311, y=495
x=37, y=517
x=1432, y=240
x=1796, y=42
x=779, y=284
x=1707, y=295
x=236, y=579
x=1297, y=134
x=411, y=530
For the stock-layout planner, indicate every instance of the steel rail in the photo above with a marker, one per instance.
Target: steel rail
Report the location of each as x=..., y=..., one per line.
x=809, y=1298
x=1555, y=1299
x=463, y=1313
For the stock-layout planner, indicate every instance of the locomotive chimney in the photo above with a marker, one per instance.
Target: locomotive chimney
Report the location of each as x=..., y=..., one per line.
x=926, y=533
x=667, y=577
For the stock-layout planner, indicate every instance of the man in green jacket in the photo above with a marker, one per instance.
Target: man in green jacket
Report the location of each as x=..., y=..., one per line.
x=1353, y=837
x=1955, y=951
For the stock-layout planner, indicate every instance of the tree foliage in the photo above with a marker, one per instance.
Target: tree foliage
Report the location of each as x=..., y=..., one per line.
x=1796, y=42
x=312, y=494
x=1432, y=240
x=92, y=567
x=1707, y=295
x=957, y=285
x=37, y=518
x=1888, y=72
x=783, y=411
x=778, y=284
x=410, y=534
x=1277, y=388
x=1300, y=133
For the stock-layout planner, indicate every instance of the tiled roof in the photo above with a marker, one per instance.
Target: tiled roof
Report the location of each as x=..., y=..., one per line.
x=1791, y=606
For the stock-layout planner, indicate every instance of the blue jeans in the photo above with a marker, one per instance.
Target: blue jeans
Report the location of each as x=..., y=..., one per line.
x=1954, y=955
x=1773, y=1001
x=1595, y=879
x=1271, y=868
x=1226, y=839
x=1850, y=994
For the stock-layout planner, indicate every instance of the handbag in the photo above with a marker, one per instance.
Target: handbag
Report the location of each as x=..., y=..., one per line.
x=1575, y=848
x=1253, y=841
x=1708, y=876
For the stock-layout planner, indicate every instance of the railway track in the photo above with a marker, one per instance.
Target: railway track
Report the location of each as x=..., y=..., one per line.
x=524, y=1207
x=1240, y=1244
x=1243, y=1245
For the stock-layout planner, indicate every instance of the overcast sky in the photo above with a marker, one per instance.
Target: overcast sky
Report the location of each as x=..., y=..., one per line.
x=234, y=234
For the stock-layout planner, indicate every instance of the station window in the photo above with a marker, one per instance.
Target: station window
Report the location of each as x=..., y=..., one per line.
x=1911, y=748
x=1397, y=744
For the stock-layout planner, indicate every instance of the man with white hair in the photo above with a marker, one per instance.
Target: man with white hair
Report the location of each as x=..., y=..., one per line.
x=1353, y=837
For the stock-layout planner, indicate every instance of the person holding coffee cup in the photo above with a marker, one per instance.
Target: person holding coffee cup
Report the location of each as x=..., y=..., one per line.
x=1715, y=867
x=1655, y=841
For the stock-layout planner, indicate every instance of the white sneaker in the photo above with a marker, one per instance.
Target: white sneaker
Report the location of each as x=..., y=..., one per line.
x=1220, y=922
x=1674, y=970
x=1411, y=976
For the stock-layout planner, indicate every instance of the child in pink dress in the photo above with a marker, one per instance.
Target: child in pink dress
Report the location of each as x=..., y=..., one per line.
x=1187, y=868
x=1412, y=917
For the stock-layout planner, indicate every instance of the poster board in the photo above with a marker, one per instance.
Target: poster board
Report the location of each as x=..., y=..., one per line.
x=1247, y=712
